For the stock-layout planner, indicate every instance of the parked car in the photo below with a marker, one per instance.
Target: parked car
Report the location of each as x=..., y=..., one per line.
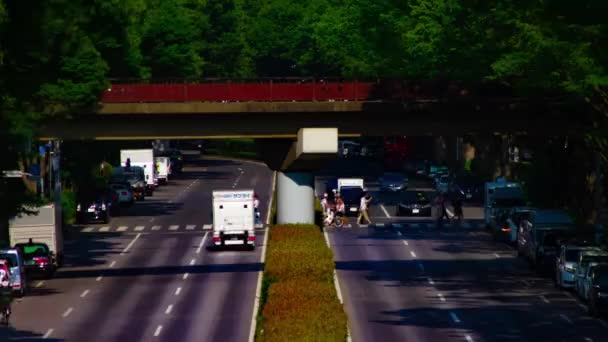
x=566, y=263
x=17, y=269
x=414, y=203
x=584, y=262
x=124, y=192
x=598, y=294
x=510, y=220
x=393, y=181
x=97, y=206
x=38, y=258
x=583, y=283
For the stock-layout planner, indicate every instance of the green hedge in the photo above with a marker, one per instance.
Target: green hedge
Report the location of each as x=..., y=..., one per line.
x=68, y=204
x=299, y=301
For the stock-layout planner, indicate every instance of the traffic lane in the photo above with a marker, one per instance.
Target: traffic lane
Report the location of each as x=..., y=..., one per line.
x=129, y=294
x=486, y=283
x=217, y=303
x=385, y=292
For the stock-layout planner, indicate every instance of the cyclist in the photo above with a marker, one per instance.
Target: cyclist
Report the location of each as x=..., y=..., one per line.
x=340, y=209
x=330, y=214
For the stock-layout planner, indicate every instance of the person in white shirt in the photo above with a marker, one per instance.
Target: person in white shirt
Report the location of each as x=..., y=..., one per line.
x=363, y=209
x=256, y=204
x=324, y=202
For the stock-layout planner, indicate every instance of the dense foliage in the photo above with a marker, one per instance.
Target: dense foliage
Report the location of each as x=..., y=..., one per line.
x=299, y=300
x=57, y=56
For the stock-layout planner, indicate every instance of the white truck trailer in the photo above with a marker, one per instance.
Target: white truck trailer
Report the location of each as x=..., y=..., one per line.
x=42, y=227
x=233, y=218
x=145, y=159
x=163, y=165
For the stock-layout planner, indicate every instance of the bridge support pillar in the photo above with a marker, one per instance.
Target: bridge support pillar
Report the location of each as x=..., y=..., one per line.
x=295, y=198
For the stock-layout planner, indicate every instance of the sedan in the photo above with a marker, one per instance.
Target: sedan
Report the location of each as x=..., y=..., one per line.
x=38, y=258
x=414, y=203
x=17, y=269
x=124, y=192
x=393, y=182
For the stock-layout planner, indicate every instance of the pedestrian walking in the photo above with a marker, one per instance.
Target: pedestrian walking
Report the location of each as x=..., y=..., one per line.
x=363, y=208
x=441, y=206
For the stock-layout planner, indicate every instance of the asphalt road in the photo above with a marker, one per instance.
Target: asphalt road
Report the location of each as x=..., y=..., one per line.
x=147, y=275
x=404, y=280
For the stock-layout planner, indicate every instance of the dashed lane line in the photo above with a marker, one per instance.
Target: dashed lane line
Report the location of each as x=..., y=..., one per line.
x=566, y=318
x=155, y=228
x=379, y=224
x=173, y=227
x=399, y=233
x=190, y=227
x=130, y=244
x=405, y=242
x=202, y=244
x=88, y=229
x=177, y=291
x=468, y=338
x=431, y=282
x=397, y=226
x=99, y=278
x=544, y=299
x=441, y=297
x=185, y=276
x=454, y=317
x=122, y=229
x=104, y=229
x=139, y=228
x=413, y=254
x=112, y=263
x=67, y=312
x=496, y=255
x=158, y=330
x=84, y=294
x=39, y=284
x=48, y=333
x=169, y=308
x=207, y=226
x=192, y=262
x=385, y=211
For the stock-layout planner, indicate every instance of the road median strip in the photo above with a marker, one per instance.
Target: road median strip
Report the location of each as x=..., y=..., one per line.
x=299, y=299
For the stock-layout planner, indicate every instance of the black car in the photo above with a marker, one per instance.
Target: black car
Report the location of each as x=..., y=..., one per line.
x=414, y=203
x=38, y=258
x=351, y=196
x=598, y=295
x=97, y=206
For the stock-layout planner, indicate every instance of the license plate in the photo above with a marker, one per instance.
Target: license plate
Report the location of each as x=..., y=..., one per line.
x=353, y=209
x=415, y=211
x=468, y=196
x=91, y=210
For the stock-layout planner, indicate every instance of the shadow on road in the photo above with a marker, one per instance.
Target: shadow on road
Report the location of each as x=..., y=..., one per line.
x=12, y=334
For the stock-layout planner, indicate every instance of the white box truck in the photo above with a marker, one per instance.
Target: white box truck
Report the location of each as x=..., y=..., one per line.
x=145, y=159
x=351, y=190
x=42, y=227
x=233, y=218
x=163, y=165
x=500, y=196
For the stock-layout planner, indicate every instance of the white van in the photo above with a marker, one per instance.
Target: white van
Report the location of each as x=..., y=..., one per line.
x=163, y=167
x=233, y=218
x=145, y=159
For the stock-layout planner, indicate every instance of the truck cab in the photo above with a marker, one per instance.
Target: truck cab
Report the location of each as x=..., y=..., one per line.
x=500, y=196
x=233, y=218
x=351, y=190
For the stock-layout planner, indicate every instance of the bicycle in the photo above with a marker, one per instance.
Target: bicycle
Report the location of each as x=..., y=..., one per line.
x=6, y=314
x=5, y=300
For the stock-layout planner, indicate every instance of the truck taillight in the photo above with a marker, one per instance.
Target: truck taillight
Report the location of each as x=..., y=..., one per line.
x=251, y=238
x=217, y=239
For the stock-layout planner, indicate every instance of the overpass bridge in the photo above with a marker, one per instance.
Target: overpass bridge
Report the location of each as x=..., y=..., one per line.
x=297, y=121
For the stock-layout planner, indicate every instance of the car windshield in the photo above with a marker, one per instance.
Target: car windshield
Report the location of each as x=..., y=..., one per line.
x=12, y=258
x=350, y=194
x=572, y=255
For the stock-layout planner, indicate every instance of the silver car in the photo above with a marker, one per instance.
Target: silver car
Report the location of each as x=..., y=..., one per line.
x=17, y=269
x=586, y=259
x=584, y=283
x=567, y=263
x=393, y=182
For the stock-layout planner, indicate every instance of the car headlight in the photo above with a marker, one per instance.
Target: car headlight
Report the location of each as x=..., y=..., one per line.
x=570, y=269
x=103, y=206
x=78, y=207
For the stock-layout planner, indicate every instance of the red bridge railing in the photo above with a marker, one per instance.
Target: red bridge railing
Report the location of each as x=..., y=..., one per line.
x=219, y=90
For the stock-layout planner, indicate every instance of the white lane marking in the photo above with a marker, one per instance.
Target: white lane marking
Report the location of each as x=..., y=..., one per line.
x=441, y=297
x=385, y=211
x=588, y=339
x=192, y=262
x=177, y=291
x=67, y=312
x=112, y=263
x=122, y=229
x=527, y=283
x=155, y=227
x=414, y=225
x=363, y=226
x=337, y=285
x=430, y=280
x=379, y=224
x=84, y=294
x=99, y=278
x=399, y=233
x=413, y=254
x=173, y=227
x=130, y=244
x=544, y=299
x=326, y=238
x=565, y=318
x=207, y=226
x=104, y=229
x=202, y=244
x=583, y=306
x=185, y=276
x=454, y=317
x=190, y=227
x=40, y=283
x=258, y=291
x=405, y=243
x=48, y=333
x=468, y=338
x=496, y=255
x=420, y=266
x=158, y=330
x=397, y=225
x=169, y=308
x=139, y=228
x=603, y=323
x=258, y=226
x=88, y=229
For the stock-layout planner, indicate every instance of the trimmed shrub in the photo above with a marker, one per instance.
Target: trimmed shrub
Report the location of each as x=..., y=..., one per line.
x=299, y=301
x=68, y=205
